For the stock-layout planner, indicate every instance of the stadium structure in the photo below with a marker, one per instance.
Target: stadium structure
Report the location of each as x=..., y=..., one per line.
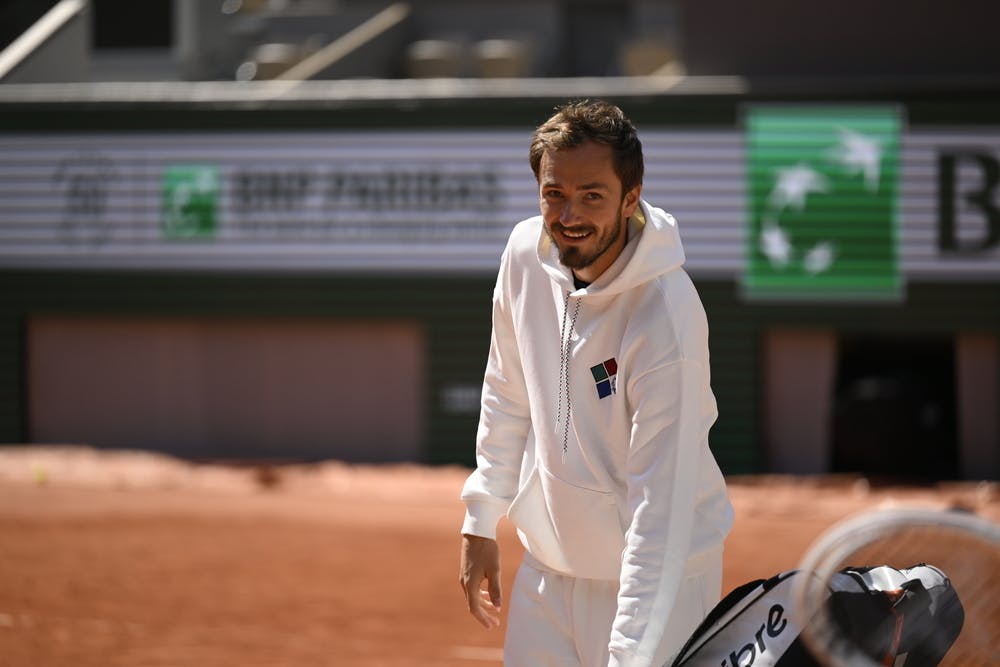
x=267, y=229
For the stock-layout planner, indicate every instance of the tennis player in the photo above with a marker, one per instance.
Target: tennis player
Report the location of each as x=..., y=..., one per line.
x=596, y=409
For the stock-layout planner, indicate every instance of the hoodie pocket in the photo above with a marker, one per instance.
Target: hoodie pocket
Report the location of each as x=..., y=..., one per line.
x=570, y=529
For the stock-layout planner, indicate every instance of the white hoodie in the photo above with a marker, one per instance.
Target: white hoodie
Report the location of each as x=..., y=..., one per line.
x=593, y=432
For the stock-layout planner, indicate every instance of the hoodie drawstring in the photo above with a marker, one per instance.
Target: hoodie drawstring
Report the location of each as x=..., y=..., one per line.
x=566, y=334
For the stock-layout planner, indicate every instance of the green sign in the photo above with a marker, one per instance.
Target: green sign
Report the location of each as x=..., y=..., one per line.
x=822, y=185
x=190, y=197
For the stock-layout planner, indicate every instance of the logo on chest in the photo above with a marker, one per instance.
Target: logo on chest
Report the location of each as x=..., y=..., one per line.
x=606, y=377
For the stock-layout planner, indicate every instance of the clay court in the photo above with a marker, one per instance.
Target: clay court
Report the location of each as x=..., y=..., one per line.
x=130, y=558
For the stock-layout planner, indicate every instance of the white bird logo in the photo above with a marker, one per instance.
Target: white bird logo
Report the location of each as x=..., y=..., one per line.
x=774, y=244
x=794, y=184
x=859, y=153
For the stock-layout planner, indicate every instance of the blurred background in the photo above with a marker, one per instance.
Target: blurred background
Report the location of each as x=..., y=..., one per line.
x=268, y=230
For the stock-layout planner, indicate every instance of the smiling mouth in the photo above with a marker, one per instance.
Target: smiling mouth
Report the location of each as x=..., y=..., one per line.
x=574, y=235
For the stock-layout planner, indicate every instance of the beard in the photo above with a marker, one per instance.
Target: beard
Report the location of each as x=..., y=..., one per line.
x=577, y=257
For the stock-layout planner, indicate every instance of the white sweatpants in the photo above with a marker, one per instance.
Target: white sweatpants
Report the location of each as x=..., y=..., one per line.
x=560, y=621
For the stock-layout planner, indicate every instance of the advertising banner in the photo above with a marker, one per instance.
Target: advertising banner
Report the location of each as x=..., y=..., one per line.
x=801, y=202
x=823, y=202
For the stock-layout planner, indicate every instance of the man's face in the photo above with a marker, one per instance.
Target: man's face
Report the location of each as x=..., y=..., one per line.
x=582, y=207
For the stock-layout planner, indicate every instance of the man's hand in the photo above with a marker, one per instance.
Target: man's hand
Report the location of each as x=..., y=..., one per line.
x=481, y=560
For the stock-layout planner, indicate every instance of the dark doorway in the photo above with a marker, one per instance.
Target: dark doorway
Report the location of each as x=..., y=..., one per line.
x=894, y=410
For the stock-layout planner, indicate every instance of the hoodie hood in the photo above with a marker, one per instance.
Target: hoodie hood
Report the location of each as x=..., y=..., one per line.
x=653, y=248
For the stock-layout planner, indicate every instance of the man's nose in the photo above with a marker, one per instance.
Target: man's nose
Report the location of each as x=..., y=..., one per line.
x=566, y=214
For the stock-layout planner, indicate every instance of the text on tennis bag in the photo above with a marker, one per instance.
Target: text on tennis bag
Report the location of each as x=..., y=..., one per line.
x=773, y=627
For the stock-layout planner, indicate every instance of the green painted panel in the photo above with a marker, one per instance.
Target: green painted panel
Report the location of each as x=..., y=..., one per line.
x=822, y=182
x=455, y=312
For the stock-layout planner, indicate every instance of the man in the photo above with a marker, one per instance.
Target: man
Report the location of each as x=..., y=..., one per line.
x=596, y=407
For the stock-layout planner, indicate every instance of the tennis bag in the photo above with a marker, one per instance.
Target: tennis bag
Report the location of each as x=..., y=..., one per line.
x=901, y=617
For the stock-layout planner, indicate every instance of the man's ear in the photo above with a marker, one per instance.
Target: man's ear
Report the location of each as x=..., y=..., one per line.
x=631, y=200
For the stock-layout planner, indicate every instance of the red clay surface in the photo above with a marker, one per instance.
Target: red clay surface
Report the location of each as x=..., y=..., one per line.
x=125, y=558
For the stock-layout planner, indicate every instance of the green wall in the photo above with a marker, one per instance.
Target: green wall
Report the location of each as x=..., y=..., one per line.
x=736, y=337
x=455, y=312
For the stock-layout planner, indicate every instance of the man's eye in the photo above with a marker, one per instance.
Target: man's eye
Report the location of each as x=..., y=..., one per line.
x=593, y=196
x=553, y=194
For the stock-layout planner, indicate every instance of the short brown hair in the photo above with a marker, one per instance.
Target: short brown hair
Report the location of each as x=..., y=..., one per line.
x=597, y=121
